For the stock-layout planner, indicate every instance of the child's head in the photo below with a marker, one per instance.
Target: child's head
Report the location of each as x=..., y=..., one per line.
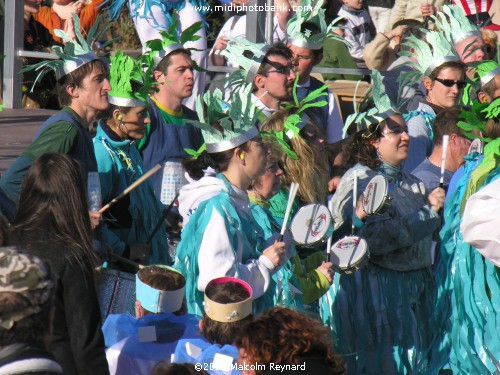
x=159, y=289
x=228, y=306
x=354, y=4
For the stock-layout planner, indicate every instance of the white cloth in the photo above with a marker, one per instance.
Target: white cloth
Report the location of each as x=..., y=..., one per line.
x=481, y=223
x=380, y=17
x=238, y=29
x=265, y=109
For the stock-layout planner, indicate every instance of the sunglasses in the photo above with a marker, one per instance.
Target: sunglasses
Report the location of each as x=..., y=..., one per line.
x=283, y=70
x=451, y=83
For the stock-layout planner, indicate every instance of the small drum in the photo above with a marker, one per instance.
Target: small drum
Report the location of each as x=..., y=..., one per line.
x=312, y=225
x=116, y=292
x=349, y=254
x=377, y=197
x=476, y=145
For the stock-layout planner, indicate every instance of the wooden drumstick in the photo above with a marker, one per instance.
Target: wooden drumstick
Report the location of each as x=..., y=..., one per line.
x=446, y=139
x=139, y=181
x=354, y=200
x=294, y=187
x=127, y=261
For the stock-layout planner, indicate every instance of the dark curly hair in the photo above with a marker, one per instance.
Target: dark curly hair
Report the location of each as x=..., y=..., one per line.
x=359, y=148
x=284, y=336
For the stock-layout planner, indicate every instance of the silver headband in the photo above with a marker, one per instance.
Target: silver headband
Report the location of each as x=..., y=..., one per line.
x=74, y=63
x=436, y=63
x=256, y=64
x=126, y=102
x=461, y=37
x=302, y=43
x=488, y=77
x=232, y=143
x=165, y=51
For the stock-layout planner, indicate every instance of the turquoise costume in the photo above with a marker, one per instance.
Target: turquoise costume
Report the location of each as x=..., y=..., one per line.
x=379, y=315
x=119, y=165
x=223, y=239
x=468, y=310
x=298, y=284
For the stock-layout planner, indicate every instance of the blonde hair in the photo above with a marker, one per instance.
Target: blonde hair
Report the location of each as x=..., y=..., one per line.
x=310, y=170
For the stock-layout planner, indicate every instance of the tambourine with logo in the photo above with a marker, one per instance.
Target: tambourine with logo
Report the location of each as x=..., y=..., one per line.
x=349, y=254
x=377, y=197
x=312, y=225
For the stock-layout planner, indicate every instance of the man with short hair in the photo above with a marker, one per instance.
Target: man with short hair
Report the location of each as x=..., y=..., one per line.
x=82, y=86
x=429, y=171
x=306, y=43
x=26, y=291
x=168, y=134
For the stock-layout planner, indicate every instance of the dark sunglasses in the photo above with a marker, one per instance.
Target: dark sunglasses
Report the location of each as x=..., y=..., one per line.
x=451, y=83
x=283, y=70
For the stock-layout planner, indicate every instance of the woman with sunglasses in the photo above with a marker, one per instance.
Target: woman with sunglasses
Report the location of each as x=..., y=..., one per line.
x=381, y=312
x=443, y=76
x=131, y=222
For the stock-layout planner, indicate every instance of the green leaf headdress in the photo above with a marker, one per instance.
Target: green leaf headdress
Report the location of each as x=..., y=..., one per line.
x=311, y=13
x=486, y=71
x=430, y=53
x=74, y=54
x=235, y=52
x=379, y=104
x=171, y=40
x=129, y=81
x=475, y=117
x=238, y=120
x=298, y=119
x=455, y=25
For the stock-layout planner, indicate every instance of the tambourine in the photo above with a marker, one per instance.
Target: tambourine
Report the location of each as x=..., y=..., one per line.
x=312, y=225
x=349, y=254
x=377, y=197
x=476, y=145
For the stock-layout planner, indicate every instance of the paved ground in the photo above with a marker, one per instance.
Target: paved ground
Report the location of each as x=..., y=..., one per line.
x=17, y=128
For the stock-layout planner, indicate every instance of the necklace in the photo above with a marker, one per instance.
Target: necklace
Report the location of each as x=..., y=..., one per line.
x=437, y=165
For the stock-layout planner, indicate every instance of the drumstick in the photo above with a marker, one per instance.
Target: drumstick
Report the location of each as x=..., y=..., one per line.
x=127, y=261
x=139, y=181
x=329, y=242
x=354, y=200
x=446, y=139
x=291, y=197
x=162, y=219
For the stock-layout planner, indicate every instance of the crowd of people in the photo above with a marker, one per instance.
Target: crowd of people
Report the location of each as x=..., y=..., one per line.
x=234, y=206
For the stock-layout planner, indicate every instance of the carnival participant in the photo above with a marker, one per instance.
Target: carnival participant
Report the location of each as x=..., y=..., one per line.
x=221, y=237
x=227, y=307
x=300, y=281
x=138, y=344
x=269, y=69
x=462, y=33
x=380, y=313
x=130, y=228
x=82, y=84
x=154, y=17
x=26, y=293
x=282, y=337
x=52, y=222
x=169, y=133
x=443, y=76
x=307, y=32
x=488, y=77
x=429, y=171
x=463, y=323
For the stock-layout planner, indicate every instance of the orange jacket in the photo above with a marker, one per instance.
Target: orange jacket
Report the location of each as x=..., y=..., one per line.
x=48, y=18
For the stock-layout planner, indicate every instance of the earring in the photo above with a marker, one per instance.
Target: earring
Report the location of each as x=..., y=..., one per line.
x=119, y=117
x=242, y=156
